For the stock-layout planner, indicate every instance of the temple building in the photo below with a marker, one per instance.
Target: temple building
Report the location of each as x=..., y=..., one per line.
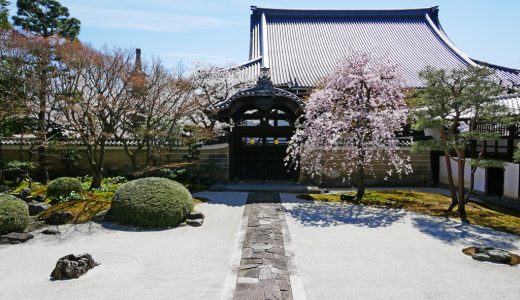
x=291, y=50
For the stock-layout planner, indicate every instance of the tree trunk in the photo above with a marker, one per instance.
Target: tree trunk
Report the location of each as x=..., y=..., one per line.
x=20, y=149
x=462, y=204
x=43, y=174
x=453, y=190
x=361, y=183
x=97, y=178
x=471, y=184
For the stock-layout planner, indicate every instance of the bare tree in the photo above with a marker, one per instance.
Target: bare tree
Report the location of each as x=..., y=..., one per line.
x=160, y=104
x=213, y=84
x=94, y=97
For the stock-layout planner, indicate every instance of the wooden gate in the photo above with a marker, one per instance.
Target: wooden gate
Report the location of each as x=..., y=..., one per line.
x=260, y=154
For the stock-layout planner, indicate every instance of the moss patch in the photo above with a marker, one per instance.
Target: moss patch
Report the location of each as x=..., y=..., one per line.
x=37, y=188
x=429, y=204
x=83, y=210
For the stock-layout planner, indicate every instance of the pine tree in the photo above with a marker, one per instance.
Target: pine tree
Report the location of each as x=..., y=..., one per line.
x=4, y=15
x=45, y=19
x=450, y=99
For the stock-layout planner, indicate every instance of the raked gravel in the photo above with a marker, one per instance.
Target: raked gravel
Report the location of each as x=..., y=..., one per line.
x=180, y=263
x=353, y=252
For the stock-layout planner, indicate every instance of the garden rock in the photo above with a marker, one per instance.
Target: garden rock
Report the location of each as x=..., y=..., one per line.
x=50, y=232
x=102, y=216
x=491, y=254
x=349, y=198
x=15, y=238
x=3, y=188
x=37, y=198
x=194, y=215
x=36, y=208
x=59, y=218
x=195, y=222
x=73, y=266
x=24, y=194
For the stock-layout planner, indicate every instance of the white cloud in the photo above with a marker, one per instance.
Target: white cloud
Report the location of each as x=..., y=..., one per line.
x=193, y=57
x=130, y=19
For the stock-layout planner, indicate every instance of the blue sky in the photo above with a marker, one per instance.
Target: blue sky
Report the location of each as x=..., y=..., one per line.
x=217, y=31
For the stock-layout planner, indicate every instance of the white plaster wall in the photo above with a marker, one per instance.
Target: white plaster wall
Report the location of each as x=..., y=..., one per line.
x=511, y=174
x=480, y=174
x=511, y=180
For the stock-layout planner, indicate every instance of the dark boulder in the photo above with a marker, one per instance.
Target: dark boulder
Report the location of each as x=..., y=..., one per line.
x=194, y=215
x=73, y=266
x=36, y=208
x=491, y=254
x=103, y=216
x=195, y=222
x=37, y=198
x=348, y=198
x=24, y=194
x=59, y=218
x=50, y=232
x=15, y=238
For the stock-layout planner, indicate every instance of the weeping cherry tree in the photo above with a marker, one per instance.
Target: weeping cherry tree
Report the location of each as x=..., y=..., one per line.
x=350, y=124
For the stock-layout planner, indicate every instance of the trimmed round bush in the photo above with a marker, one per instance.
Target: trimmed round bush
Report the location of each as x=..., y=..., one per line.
x=14, y=214
x=63, y=186
x=152, y=202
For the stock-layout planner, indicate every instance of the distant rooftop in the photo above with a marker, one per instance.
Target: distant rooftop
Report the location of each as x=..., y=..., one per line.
x=302, y=46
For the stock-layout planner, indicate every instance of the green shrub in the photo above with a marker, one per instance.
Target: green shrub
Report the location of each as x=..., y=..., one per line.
x=63, y=187
x=14, y=214
x=152, y=202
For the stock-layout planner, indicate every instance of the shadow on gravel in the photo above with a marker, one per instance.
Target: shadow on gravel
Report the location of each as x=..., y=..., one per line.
x=452, y=232
x=233, y=199
x=332, y=214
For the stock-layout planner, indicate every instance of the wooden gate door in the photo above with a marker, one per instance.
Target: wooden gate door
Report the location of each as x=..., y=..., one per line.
x=260, y=155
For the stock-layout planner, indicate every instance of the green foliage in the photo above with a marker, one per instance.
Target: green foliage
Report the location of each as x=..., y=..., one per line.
x=152, y=202
x=194, y=138
x=451, y=97
x=14, y=214
x=63, y=187
x=205, y=174
x=20, y=165
x=4, y=14
x=487, y=163
x=70, y=158
x=459, y=93
x=73, y=196
x=171, y=173
x=21, y=170
x=428, y=145
x=46, y=18
x=108, y=185
x=516, y=155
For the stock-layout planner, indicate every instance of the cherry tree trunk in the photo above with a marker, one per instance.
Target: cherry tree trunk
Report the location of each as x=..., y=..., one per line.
x=361, y=183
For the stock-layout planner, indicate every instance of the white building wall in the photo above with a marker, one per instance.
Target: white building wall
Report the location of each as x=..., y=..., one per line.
x=511, y=174
x=511, y=180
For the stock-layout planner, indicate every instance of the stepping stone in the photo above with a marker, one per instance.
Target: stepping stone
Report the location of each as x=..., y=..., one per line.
x=263, y=272
x=15, y=238
x=195, y=223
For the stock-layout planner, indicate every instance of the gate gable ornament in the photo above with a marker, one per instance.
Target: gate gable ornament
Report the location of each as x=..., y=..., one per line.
x=264, y=95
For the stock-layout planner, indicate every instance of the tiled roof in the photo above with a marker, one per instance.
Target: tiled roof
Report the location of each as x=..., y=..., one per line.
x=508, y=76
x=302, y=46
x=511, y=101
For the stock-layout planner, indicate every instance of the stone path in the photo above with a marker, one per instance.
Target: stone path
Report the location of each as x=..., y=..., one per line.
x=264, y=272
